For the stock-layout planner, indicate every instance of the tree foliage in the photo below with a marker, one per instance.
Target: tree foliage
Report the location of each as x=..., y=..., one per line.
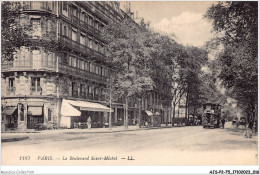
x=237, y=23
x=12, y=31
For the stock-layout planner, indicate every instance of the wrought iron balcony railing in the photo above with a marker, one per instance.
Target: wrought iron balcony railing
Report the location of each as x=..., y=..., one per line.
x=10, y=90
x=36, y=90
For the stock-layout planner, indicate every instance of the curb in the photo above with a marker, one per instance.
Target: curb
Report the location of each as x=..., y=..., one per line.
x=14, y=139
x=111, y=131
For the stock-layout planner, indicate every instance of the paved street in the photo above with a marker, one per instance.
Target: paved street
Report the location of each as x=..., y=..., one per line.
x=168, y=146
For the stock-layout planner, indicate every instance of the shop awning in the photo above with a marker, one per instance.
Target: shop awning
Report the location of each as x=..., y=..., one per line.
x=9, y=110
x=157, y=113
x=149, y=113
x=89, y=106
x=34, y=110
x=68, y=110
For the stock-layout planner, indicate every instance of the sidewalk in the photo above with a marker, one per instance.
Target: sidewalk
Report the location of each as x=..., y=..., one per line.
x=17, y=136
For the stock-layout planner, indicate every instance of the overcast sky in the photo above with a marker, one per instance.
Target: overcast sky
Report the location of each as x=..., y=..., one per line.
x=182, y=18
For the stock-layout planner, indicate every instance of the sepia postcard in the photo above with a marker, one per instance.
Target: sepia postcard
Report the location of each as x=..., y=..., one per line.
x=129, y=83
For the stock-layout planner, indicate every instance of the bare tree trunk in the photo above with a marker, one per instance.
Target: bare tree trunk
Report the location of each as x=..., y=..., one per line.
x=139, y=113
x=186, y=110
x=126, y=112
x=173, y=114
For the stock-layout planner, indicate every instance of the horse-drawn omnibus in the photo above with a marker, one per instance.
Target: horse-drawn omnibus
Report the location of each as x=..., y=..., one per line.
x=211, y=115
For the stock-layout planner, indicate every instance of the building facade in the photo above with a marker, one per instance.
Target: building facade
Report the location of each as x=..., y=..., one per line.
x=35, y=83
x=63, y=67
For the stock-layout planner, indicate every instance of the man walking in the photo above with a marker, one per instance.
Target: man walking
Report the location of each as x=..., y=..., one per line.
x=223, y=122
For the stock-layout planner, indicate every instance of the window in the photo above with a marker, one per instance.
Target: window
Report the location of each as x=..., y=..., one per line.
x=103, y=71
x=82, y=17
x=11, y=82
x=49, y=114
x=74, y=62
x=86, y=19
x=35, y=84
x=36, y=57
x=78, y=63
x=66, y=58
x=82, y=39
x=75, y=12
x=96, y=46
x=96, y=91
x=100, y=70
x=65, y=6
x=90, y=21
x=70, y=61
x=74, y=87
x=106, y=73
x=97, y=69
x=90, y=43
x=86, y=66
x=82, y=65
x=36, y=27
x=65, y=31
x=74, y=34
x=82, y=87
x=96, y=24
x=49, y=5
x=92, y=67
x=50, y=60
x=102, y=49
x=87, y=42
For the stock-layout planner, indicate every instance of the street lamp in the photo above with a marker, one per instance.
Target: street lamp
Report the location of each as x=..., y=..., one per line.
x=110, y=102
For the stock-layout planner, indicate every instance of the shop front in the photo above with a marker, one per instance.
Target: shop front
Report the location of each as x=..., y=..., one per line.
x=74, y=114
x=9, y=118
x=151, y=119
x=35, y=117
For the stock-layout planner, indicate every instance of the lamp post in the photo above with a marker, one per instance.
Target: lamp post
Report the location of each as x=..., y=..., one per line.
x=110, y=103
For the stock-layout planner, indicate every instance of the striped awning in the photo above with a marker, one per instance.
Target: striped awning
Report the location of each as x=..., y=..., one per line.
x=68, y=110
x=89, y=106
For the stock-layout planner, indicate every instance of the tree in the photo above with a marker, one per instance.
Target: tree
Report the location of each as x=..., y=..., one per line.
x=13, y=35
x=128, y=53
x=17, y=31
x=238, y=24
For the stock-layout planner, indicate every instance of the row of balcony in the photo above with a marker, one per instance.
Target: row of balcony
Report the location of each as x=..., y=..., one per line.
x=39, y=6
x=75, y=94
x=33, y=91
x=97, y=11
x=62, y=68
x=88, y=96
x=90, y=28
x=64, y=40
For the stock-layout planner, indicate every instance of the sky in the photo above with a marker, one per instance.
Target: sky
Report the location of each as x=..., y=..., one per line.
x=184, y=19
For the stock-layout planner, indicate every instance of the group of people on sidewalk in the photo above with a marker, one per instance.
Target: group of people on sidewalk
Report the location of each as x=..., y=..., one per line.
x=249, y=126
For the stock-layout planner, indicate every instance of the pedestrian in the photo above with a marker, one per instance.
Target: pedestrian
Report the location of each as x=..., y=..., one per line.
x=146, y=124
x=249, y=131
x=223, y=122
x=89, y=122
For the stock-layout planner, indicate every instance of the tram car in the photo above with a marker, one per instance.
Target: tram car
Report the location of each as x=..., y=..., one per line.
x=211, y=115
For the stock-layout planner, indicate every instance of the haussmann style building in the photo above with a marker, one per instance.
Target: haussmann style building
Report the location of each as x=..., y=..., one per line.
x=51, y=88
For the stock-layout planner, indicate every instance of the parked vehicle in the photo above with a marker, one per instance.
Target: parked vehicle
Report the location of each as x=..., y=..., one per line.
x=242, y=121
